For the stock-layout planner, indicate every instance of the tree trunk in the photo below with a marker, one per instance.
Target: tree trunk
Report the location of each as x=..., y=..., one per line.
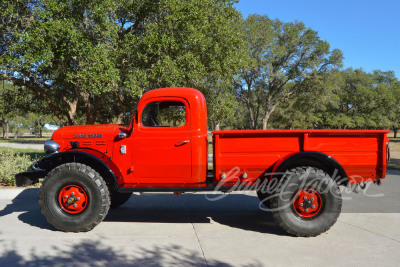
x=6, y=130
x=36, y=128
x=268, y=112
x=395, y=132
x=41, y=126
x=253, y=122
x=16, y=133
x=265, y=120
x=71, y=113
x=90, y=119
x=120, y=118
x=90, y=110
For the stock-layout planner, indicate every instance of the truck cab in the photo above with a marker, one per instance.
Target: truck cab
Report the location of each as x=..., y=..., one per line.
x=169, y=137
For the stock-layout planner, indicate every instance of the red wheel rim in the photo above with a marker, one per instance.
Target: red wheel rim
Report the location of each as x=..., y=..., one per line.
x=72, y=199
x=307, y=203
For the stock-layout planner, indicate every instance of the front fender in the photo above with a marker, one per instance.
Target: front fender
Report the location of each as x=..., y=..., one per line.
x=45, y=165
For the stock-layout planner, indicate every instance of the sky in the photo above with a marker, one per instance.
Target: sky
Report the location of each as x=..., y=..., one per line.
x=367, y=32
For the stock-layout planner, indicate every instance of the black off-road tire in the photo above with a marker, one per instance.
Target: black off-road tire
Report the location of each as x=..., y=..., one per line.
x=286, y=212
x=118, y=199
x=81, y=176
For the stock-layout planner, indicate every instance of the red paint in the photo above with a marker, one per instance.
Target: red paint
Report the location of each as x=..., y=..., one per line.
x=362, y=153
x=158, y=155
x=307, y=203
x=73, y=199
x=162, y=156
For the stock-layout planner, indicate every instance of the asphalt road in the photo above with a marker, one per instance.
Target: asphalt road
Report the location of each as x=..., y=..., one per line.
x=189, y=230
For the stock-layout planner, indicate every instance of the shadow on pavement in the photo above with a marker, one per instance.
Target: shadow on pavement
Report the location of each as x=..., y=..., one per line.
x=234, y=210
x=95, y=253
x=27, y=202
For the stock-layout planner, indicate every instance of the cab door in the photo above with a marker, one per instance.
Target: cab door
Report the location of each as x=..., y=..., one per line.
x=162, y=147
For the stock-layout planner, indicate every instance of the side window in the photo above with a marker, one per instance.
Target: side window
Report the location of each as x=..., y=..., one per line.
x=164, y=114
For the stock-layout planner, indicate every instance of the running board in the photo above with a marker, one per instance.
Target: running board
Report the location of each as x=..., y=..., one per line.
x=182, y=188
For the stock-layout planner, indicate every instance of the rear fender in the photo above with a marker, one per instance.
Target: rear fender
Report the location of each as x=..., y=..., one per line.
x=312, y=159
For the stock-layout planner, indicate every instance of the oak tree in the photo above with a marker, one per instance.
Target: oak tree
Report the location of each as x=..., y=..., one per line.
x=281, y=58
x=93, y=59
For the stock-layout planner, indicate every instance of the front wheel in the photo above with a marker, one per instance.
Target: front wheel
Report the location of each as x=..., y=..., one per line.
x=307, y=202
x=74, y=198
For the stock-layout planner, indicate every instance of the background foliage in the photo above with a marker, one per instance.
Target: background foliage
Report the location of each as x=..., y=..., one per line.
x=12, y=161
x=89, y=61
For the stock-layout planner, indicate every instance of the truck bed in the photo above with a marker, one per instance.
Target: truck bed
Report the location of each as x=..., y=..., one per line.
x=251, y=154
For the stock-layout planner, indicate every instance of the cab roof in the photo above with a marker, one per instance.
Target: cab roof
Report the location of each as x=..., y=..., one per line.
x=190, y=94
x=196, y=100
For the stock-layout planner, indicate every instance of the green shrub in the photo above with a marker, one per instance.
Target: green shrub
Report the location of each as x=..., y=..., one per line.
x=10, y=164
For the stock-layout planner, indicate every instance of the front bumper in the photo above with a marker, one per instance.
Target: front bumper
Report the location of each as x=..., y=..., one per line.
x=30, y=177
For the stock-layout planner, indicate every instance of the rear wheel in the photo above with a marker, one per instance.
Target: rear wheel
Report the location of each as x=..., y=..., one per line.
x=74, y=198
x=307, y=202
x=118, y=199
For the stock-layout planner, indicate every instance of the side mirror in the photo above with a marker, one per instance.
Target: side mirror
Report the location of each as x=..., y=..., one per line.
x=122, y=135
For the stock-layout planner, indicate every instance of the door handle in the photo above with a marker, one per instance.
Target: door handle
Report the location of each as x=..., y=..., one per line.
x=181, y=143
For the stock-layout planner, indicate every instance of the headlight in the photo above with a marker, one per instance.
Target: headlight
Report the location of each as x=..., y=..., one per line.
x=51, y=147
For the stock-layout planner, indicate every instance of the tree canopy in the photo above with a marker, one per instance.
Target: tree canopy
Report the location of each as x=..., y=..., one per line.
x=95, y=58
x=282, y=60
x=347, y=99
x=89, y=61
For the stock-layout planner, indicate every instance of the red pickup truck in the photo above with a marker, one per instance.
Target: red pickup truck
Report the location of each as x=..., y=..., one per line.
x=296, y=173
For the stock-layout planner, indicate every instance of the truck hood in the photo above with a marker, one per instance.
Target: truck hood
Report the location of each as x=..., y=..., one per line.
x=87, y=135
x=88, y=131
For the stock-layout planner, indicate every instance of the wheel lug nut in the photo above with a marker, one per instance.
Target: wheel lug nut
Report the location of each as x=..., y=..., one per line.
x=73, y=193
x=313, y=206
x=305, y=198
x=78, y=198
x=312, y=199
x=65, y=196
x=75, y=205
x=307, y=210
x=301, y=204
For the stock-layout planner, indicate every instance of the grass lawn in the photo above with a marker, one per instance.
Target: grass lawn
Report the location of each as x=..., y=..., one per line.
x=34, y=154
x=25, y=140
